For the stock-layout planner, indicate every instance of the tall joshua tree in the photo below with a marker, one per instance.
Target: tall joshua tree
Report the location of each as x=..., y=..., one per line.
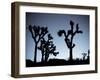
x=47, y=47
x=69, y=36
x=37, y=33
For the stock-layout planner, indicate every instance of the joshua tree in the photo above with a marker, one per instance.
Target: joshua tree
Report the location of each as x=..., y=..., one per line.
x=69, y=37
x=84, y=55
x=37, y=33
x=88, y=56
x=47, y=47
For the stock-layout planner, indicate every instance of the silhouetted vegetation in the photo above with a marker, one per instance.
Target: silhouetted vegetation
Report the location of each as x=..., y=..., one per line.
x=47, y=47
x=57, y=62
x=69, y=36
x=44, y=42
x=37, y=33
x=86, y=56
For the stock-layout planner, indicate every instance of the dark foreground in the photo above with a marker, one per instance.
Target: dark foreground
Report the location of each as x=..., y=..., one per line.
x=56, y=62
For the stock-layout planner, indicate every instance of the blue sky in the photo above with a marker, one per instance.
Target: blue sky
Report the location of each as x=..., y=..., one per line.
x=56, y=22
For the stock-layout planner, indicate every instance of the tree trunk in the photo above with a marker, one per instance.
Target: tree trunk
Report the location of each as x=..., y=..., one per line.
x=42, y=59
x=71, y=54
x=84, y=58
x=46, y=57
x=71, y=50
x=35, y=53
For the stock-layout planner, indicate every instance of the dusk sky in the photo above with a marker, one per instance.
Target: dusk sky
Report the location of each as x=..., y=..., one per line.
x=56, y=22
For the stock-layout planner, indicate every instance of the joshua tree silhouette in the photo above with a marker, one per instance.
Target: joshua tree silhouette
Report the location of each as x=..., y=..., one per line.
x=84, y=55
x=69, y=37
x=37, y=33
x=47, y=47
x=88, y=56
